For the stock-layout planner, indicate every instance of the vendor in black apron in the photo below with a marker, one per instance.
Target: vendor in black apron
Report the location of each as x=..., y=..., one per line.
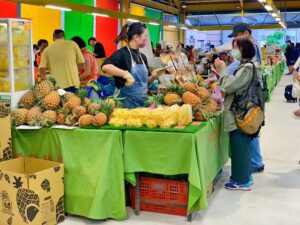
x=129, y=67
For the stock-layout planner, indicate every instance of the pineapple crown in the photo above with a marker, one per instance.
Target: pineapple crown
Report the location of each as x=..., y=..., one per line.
x=175, y=88
x=82, y=93
x=52, y=80
x=106, y=108
x=18, y=182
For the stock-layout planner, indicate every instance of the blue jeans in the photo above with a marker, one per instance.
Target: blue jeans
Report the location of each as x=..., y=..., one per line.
x=71, y=89
x=256, y=159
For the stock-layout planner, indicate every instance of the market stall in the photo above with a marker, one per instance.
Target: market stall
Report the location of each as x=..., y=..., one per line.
x=273, y=75
x=94, y=176
x=200, y=153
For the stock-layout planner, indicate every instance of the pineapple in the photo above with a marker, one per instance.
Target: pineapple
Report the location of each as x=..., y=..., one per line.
x=85, y=120
x=100, y=119
x=191, y=99
x=7, y=152
x=4, y=110
x=28, y=201
x=28, y=100
x=72, y=103
x=94, y=108
x=202, y=93
x=111, y=102
x=71, y=120
x=61, y=118
x=34, y=116
x=79, y=111
x=189, y=86
x=86, y=101
x=204, y=112
x=173, y=94
x=44, y=88
x=49, y=117
x=60, y=212
x=51, y=101
x=19, y=116
x=68, y=96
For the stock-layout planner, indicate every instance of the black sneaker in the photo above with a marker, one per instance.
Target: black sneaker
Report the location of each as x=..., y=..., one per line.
x=259, y=170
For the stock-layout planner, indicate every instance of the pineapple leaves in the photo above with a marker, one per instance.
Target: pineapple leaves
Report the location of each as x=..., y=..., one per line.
x=18, y=182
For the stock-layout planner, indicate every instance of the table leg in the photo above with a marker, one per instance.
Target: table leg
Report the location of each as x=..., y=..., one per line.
x=137, y=195
x=190, y=217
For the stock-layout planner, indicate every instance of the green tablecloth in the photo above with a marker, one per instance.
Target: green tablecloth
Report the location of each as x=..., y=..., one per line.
x=201, y=155
x=273, y=75
x=94, y=174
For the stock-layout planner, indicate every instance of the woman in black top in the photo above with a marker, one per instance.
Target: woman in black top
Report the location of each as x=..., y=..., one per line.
x=130, y=67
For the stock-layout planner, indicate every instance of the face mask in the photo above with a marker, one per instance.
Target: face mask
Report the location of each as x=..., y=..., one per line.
x=236, y=54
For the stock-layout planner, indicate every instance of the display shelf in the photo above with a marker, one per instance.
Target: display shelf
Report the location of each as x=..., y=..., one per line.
x=16, y=58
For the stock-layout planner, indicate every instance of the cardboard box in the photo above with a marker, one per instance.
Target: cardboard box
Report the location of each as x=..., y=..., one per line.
x=5, y=131
x=31, y=192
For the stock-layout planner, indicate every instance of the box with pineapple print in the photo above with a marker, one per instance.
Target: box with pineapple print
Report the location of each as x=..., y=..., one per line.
x=5, y=131
x=31, y=192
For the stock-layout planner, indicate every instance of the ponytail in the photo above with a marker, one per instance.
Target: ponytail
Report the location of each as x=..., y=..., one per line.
x=128, y=31
x=123, y=35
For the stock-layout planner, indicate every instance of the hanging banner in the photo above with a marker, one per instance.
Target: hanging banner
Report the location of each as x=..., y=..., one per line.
x=8, y=9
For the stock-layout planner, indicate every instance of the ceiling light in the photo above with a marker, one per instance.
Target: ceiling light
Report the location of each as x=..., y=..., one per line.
x=184, y=6
x=153, y=23
x=99, y=14
x=262, y=1
x=57, y=8
x=183, y=28
x=132, y=20
x=171, y=26
x=277, y=19
x=268, y=7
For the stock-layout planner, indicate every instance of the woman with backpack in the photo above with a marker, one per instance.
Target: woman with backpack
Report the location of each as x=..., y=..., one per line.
x=232, y=87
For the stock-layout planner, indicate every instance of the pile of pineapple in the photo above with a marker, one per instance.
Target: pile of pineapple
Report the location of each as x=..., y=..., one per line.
x=45, y=105
x=162, y=117
x=195, y=94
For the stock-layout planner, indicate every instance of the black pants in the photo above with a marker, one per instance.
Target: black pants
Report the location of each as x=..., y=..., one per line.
x=240, y=156
x=71, y=89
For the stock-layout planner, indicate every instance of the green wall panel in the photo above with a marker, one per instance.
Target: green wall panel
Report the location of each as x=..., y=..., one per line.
x=154, y=30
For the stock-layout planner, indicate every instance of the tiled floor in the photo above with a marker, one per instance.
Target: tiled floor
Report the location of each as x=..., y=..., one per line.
x=275, y=198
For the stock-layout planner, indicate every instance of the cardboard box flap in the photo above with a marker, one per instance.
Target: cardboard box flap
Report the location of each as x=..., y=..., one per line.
x=37, y=165
x=13, y=165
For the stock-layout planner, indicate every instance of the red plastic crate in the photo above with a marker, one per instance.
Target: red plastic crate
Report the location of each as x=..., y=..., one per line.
x=163, y=196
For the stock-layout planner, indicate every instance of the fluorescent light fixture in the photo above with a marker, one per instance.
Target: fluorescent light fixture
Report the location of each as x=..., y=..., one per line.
x=132, y=20
x=262, y=1
x=277, y=19
x=171, y=26
x=99, y=14
x=155, y=24
x=274, y=14
x=57, y=8
x=268, y=7
x=183, y=28
x=184, y=6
